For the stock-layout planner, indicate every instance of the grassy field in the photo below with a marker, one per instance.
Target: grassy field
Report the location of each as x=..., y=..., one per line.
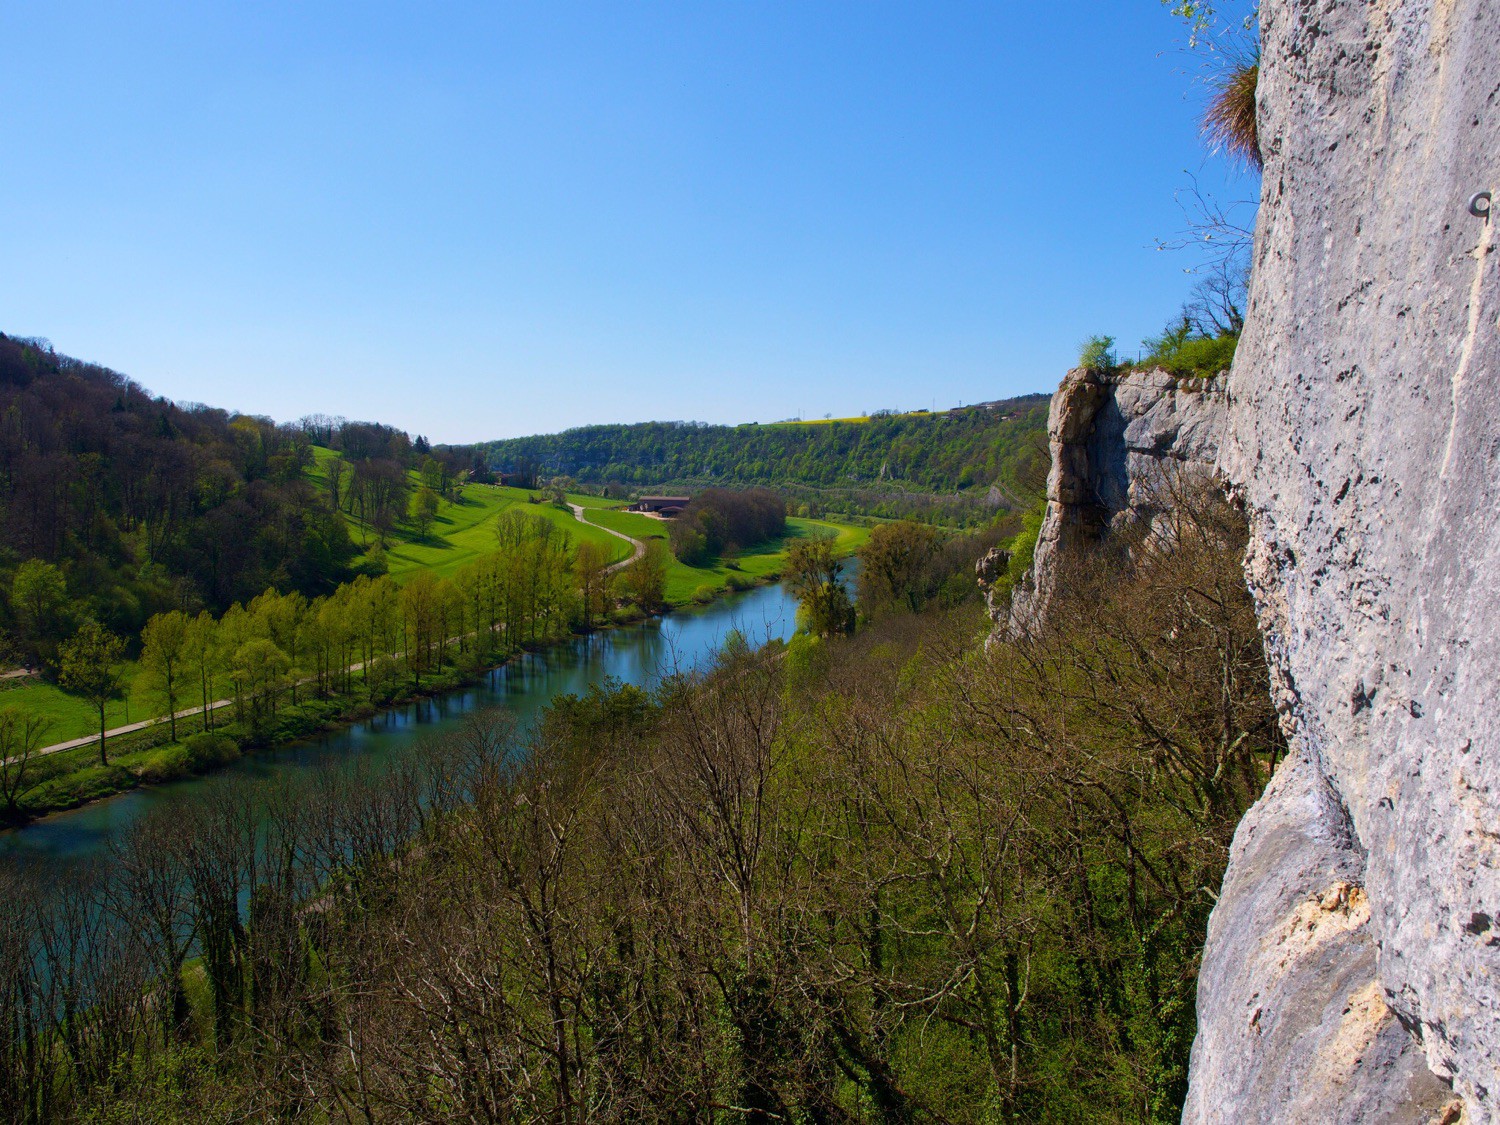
x=465, y=530
x=690, y=583
x=69, y=716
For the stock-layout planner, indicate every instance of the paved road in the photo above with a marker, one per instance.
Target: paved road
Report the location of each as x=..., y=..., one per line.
x=638, y=550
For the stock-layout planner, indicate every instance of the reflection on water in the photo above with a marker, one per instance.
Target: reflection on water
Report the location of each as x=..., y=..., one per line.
x=638, y=654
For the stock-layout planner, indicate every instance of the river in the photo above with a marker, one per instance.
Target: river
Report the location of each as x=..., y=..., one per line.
x=637, y=654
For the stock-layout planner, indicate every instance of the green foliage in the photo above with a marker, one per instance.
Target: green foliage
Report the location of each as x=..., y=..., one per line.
x=1182, y=351
x=644, y=582
x=1204, y=356
x=21, y=735
x=1097, y=353
x=1023, y=546
x=79, y=787
x=208, y=749
x=38, y=596
x=896, y=567
x=91, y=667
x=611, y=710
x=815, y=574
x=154, y=504
x=424, y=510
x=869, y=464
x=720, y=520
x=164, y=654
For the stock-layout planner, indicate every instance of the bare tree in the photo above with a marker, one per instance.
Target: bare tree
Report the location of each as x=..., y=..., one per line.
x=21, y=734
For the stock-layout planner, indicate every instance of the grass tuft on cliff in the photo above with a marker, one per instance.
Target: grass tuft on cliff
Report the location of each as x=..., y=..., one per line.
x=1229, y=121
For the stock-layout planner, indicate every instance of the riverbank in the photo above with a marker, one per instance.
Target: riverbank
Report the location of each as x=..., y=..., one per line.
x=638, y=653
x=150, y=756
x=68, y=776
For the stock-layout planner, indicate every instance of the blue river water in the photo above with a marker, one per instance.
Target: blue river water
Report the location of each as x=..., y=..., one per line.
x=638, y=654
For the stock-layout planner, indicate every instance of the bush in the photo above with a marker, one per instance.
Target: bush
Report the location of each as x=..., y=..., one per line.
x=167, y=764
x=197, y=753
x=79, y=788
x=1097, y=353
x=1203, y=357
x=1179, y=351
x=209, y=749
x=1023, y=546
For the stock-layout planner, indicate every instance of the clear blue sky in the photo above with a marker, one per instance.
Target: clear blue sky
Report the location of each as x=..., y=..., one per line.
x=478, y=220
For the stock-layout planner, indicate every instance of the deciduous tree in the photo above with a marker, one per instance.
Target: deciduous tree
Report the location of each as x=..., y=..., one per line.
x=37, y=595
x=21, y=734
x=424, y=509
x=164, y=659
x=590, y=571
x=644, y=582
x=91, y=667
x=815, y=575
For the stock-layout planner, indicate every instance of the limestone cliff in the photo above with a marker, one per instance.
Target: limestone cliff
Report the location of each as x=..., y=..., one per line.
x=1111, y=434
x=1352, y=971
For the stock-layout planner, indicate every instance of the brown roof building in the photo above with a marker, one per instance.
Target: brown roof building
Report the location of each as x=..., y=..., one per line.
x=665, y=506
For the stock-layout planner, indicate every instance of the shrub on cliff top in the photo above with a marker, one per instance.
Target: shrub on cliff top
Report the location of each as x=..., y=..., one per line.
x=1097, y=353
x=1183, y=352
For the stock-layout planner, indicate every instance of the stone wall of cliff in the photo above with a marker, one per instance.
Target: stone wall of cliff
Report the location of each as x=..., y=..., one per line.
x=1352, y=971
x=1113, y=436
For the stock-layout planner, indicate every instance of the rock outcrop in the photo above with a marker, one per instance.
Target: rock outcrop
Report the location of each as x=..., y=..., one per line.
x=1352, y=971
x=1111, y=435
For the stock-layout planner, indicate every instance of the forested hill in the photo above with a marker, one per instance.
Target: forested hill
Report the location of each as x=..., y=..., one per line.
x=139, y=504
x=997, y=444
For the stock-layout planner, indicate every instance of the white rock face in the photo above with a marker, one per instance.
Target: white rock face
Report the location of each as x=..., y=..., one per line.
x=1353, y=962
x=1111, y=435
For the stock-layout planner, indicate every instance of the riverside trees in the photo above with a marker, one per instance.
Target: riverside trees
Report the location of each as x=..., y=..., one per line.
x=533, y=587
x=164, y=647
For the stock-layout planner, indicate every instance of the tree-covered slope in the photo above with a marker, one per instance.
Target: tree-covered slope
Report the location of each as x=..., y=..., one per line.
x=142, y=503
x=995, y=444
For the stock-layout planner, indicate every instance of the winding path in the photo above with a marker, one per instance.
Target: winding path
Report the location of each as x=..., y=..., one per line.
x=638, y=547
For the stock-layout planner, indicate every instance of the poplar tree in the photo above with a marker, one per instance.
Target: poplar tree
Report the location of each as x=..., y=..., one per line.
x=164, y=656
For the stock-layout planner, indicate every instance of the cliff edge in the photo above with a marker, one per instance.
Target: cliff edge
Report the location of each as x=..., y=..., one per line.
x=1114, y=437
x=1352, y=970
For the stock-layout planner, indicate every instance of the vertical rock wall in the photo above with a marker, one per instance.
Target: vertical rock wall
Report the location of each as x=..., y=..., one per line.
x=1111, y=435
x=1353, y=964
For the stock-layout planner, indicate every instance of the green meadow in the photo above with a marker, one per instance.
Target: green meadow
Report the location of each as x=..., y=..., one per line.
x=698, y=583
x=466, y=529
x=68, y=716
